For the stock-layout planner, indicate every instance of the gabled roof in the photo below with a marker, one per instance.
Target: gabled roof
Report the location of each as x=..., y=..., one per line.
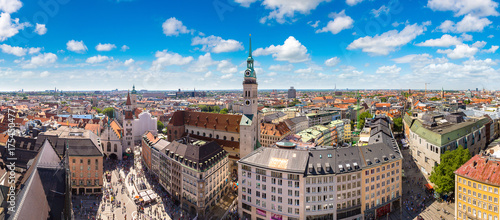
x=481, y=168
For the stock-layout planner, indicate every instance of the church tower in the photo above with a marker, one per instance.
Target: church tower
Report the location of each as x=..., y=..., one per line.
x=133, y=98
x=249, y=125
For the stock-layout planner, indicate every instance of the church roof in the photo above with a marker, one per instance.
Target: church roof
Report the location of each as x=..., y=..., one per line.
x=221, y=122
x=128, y=99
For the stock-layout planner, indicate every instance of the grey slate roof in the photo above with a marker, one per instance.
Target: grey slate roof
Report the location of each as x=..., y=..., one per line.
x=262, y=157
x=84, y=145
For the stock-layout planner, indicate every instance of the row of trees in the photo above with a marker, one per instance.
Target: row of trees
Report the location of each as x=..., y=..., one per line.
x=213, y=109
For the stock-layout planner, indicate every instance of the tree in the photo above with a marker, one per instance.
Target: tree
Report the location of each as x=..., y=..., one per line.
x=224, y=111
x=383, y=99
x=362, y=117
x=159, y=125
x=98, y=110
x=109, y=111
x=398, y=124
x=442, y=175
x=467, y=101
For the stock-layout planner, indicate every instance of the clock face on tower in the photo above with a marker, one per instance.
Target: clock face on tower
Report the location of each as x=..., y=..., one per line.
x=247, y=102
x=248, y=72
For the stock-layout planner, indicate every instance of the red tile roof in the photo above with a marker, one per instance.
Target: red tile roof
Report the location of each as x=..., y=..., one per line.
x=481, y=168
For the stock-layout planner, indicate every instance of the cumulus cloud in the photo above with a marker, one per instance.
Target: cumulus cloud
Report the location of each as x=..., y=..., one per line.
x=445, y=41
x=382, y=10
x=124, y=48
x=166, y=58
x=34, y=50
x=314, y=25
x=462, y=7
x=40, y=29
x=340, y=22
x=353, y=2
x=44, y=74
x=174, y=27
x=128, y=62
x=469, y=23
x=493, y=49
x=9, y=27
x=105, y=47
x=245, y=3
x=44, y=59
x=17, y=51
x=460, y=51
x=76, y=46
x=201, y=65
x=332, y=61
x=225, y=66
x=97, y=59
x=292, y=51
x=10, y=6
x=216, y=44
x=348, y=72
x=389, y=41
x=388, y=70
x=283, y=10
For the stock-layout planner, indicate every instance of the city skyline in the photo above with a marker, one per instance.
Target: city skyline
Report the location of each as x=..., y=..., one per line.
x=105, y=45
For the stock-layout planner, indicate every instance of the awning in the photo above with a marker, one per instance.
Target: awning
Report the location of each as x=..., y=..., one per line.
x=428, y=186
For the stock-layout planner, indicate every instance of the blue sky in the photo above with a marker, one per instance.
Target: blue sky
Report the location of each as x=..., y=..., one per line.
x=167, y=45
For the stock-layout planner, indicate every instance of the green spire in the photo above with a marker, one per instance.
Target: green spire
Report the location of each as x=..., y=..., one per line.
x=250, y=50
x=133, y=90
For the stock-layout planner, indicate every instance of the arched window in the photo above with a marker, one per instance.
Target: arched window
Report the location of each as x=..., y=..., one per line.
x=116, y=148
x=204, y=134
x=108, y=146
x=175, y=132
x=210, y=135
x=192, y=132
x=197, y=133
x=232, y=138
x=224, y=137
x=217, y=136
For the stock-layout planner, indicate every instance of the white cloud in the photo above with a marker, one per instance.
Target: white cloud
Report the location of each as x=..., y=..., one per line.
x=27, y=74
x=225, y=66
x=17, y=51
x=353, y=2
x=287, y=9
x=40, y=29
x=97, y=59
x=468, y=24
x=460, y=51
x=332, y=61
x=493, y=49
x=272, y=74
x=105, y=47
x=445, y=41
x=382, y=10
x=388, y=70
x=389, y=41
x=309, y=70
x=128, y=62
x=466, y=37
x=340, y=22
x=245, y=3
x=217, y=44
x=227, y=76
x=34, y=50
x=76, y=46
x=172, y=27
x=43, y=59
x=44, y=74
x=278, y=67
x=9, y=27
x=348, y=72
x=462, y=7
x=201, y=65
x=314, y=25
x=10, y=6
x=165, y=58
x=292, y=51
x=479, y=44
x=208, y=74
x=124, y=48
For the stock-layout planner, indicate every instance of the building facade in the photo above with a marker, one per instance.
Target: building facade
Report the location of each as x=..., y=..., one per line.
x=430, y=135
x=477, y=188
